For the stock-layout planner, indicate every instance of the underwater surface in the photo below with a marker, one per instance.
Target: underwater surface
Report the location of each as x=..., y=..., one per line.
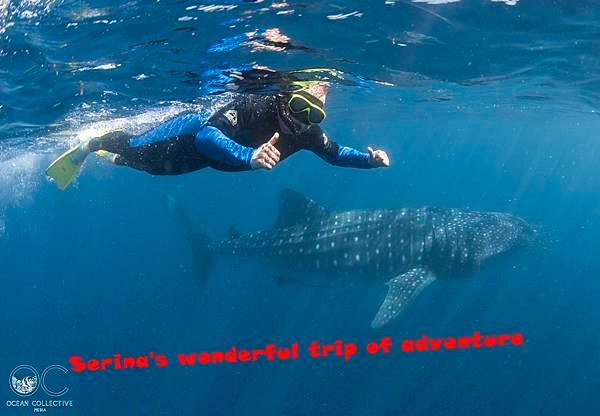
x=482, y=105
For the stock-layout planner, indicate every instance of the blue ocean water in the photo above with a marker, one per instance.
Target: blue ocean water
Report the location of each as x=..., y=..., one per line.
x=483, y=105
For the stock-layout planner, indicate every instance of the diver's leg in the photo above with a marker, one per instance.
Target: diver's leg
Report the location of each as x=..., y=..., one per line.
x=165, y=150
x=173, y=156
x=121, y=153
x=124, y=144
x=133, y=164
x=114, y=142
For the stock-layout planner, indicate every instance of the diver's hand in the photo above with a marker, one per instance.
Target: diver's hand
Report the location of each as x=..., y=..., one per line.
x=378, y=158
x=266, y=156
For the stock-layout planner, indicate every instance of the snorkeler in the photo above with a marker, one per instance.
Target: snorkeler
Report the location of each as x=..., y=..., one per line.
x=252, y=132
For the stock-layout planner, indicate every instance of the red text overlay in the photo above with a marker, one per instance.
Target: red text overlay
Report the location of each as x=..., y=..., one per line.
x=316, y=350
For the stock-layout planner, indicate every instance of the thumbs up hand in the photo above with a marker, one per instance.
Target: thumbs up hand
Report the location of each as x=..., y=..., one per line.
x=267, y=155
x=378, y=157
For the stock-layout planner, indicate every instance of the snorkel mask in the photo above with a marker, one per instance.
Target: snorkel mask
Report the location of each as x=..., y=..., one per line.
x=306, y=108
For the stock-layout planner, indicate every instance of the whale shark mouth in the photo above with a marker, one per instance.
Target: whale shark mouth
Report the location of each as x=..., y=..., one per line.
x=505, y=233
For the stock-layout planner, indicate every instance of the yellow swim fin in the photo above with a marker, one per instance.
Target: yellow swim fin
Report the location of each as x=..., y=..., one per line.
x=64, y=169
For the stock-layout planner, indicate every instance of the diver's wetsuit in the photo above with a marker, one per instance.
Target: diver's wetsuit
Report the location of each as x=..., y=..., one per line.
x=226, y=141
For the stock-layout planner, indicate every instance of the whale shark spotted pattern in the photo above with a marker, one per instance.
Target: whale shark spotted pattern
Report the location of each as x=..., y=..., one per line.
x=408, y=248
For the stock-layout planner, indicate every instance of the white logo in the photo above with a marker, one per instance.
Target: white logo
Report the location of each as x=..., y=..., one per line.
x=24, y=380
x=231, y=115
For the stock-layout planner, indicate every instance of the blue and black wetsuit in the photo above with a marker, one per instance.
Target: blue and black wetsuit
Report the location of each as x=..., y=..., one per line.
x=226, y=141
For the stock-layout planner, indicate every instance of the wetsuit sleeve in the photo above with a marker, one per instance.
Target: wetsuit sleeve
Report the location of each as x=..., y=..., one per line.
x=335, y=154
x=350, y=157
x=216, y=146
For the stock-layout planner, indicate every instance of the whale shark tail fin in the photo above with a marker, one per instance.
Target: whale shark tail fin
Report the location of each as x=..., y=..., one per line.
x=203, y=259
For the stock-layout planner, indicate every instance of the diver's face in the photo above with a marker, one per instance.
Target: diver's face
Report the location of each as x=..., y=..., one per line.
x=306, y=108
x=299, y=126
x=295, y=128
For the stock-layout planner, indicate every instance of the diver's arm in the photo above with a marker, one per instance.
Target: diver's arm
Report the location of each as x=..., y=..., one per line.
x=215, y=145
x=337, y=155
x=352, y=158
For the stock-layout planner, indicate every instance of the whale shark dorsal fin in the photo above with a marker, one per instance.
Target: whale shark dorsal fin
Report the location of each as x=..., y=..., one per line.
x=402, y=290
x=295, y=208
x=234, y=233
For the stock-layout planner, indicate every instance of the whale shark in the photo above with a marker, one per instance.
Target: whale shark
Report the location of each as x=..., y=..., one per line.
x=405, y=248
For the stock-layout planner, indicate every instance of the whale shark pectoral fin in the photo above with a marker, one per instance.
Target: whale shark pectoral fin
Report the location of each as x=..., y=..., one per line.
x=402, y=290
